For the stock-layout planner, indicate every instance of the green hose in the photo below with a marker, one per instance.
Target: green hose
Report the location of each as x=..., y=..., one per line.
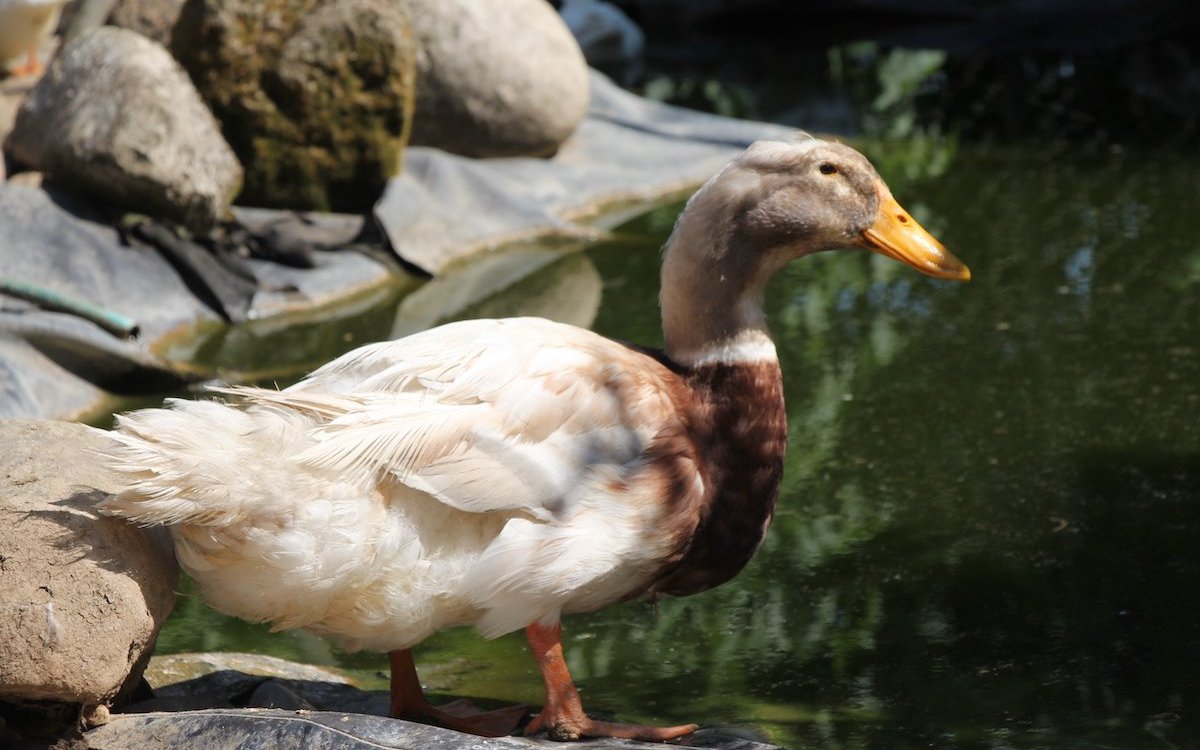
x=113, y=322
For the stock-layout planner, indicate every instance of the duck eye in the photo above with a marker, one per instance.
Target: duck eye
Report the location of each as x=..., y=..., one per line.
x=827, y=168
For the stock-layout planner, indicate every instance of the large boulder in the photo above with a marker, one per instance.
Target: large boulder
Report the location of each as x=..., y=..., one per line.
x=315, y=96
x=117, y=117
x=496, y=79
x=82, y=595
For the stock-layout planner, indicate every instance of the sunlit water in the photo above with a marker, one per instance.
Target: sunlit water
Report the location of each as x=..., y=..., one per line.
x=989, y=530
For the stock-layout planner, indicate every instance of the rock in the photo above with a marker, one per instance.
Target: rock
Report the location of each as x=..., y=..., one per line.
x=496, y=79
x=176, y=669
x=215, y=680
x=266, y=729
x=315, y=96
x=224, y=708
x=99, y=715
x=82, y=596
x=153, y=19
x=116, y=116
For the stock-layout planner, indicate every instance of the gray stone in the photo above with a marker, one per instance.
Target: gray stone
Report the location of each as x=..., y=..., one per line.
x=315, y=96
x=496, y=79
x=153, y=19
x=116, y=116
x=82, y=596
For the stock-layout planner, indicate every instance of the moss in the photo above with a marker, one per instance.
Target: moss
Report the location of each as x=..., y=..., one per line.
x=315, y=97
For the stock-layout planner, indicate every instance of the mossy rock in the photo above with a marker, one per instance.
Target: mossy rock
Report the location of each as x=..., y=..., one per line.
x=315, y=96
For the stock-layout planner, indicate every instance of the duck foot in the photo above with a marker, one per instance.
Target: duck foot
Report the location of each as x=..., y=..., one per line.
x=567, y=728
x=31, y=66
x=409, y=702
x=463, y=716
x=563, y=717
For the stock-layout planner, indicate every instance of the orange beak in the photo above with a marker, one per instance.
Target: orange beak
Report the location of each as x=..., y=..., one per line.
x=897, y=235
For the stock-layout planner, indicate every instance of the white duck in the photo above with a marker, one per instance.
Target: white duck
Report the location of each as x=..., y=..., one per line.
x=23, y=25
x=503, y=473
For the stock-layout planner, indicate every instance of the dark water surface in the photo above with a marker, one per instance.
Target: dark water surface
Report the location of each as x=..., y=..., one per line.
x=989, y=530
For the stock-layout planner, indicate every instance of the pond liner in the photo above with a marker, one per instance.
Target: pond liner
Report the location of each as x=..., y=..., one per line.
x=446, y=208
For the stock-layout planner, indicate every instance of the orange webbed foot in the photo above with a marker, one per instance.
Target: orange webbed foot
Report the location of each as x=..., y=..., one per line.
x=565, y=728
x=462, y=716
x=563, y=717
x=408, y=702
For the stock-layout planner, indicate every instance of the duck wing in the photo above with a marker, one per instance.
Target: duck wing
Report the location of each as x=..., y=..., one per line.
x=486, y=415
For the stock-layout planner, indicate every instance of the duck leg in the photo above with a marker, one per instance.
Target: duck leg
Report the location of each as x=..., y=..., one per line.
x=31, y=66
x=563, y=717
x=409, y=702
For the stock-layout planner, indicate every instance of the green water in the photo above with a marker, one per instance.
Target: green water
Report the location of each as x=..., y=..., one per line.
x=988, y=529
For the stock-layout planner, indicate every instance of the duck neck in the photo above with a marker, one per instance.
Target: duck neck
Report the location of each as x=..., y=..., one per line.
x=712, y=306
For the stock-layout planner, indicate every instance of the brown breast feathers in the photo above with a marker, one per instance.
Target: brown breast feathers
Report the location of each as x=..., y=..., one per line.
x=735, y=436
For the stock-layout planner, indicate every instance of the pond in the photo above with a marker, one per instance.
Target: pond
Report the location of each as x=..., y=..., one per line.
x=987, y=533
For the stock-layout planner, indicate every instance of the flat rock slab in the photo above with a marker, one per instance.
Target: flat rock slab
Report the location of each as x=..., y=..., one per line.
x=268, y=729
x=228, y=700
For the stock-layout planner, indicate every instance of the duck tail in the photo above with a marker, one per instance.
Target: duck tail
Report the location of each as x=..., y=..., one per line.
x=203, y=463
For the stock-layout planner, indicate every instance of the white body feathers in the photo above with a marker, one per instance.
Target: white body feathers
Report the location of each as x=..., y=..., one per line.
x=415, y=484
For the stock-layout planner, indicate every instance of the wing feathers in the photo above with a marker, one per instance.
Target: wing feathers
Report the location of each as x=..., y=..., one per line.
x=478, y=424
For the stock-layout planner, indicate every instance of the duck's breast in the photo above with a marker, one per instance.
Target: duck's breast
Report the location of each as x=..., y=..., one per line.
x=737, y=433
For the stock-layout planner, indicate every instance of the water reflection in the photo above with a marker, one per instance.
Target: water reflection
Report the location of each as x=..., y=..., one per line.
x=986, y=532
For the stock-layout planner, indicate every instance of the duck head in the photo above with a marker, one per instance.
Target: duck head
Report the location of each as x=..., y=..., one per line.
x=773, y=203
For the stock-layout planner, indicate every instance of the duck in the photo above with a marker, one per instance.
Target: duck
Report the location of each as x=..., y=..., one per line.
x=23, y=25
x=504, y=473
